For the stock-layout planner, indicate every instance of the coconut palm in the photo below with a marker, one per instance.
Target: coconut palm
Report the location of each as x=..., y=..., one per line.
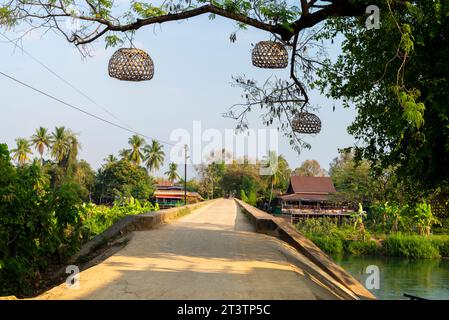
x=60, y=144
x=110, y=159
x=65, y=146
x=41, y=139
x=135, y=153
x=74, y=147
x=171, y=173
x=154, y=156
x=20, y=154
x=124, y=154
x=271, y=167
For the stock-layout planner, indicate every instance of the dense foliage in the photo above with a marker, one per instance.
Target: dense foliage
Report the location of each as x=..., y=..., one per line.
x=38, y=224
x=122, y=179
x=243, y=180
x=46, y=208
x=43, y=224
x=397, y=78
x=384, y=230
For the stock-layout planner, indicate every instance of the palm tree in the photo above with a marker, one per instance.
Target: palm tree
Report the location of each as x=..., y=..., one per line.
x=135, y=154
x=110, y=159
x=124, y=154
x=273, y=168
x=171, y=173
x=22, y=151
x=74, y=147
x=41, y=140
x=60, y=144
x=65, y=146
x=154, y=156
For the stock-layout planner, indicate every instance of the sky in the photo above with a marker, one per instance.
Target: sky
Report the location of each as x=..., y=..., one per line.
x=194, y=64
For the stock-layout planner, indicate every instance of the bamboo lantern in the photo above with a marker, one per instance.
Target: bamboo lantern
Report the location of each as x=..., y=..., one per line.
x=270, y=55
x=131, y=64
x=305, y=122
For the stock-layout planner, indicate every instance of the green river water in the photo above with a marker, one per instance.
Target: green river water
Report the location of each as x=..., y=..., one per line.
x=425, y=278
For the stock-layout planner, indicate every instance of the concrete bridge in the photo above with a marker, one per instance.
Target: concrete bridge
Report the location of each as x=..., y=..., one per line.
x=215, y=252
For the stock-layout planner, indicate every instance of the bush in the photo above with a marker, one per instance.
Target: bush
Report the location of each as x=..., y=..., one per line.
x=328, y=244
x=410, y=246
x=441, y=242
x=96, y=219
x=358, y=248
x=38, y=224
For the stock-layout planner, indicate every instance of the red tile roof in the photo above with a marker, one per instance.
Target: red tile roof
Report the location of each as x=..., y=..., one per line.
x=311, y=185
x=176, y=194
x=163, y=183
x=304, y=197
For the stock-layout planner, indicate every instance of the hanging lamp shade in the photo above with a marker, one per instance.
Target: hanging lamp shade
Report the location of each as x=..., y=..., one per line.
x=270, y=55
x=305, y=122
x=131, y=64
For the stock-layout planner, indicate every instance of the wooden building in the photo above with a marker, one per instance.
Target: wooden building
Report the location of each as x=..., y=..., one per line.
x=311, y=197
x=169, y=195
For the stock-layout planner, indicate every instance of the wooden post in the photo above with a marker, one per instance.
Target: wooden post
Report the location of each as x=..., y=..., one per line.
x=185, y=174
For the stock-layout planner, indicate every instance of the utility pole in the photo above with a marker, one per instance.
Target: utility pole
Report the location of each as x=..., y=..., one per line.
x=185, y=174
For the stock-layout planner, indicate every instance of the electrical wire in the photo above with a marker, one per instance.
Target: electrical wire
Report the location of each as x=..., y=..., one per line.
x=82, y=110
x=66, y=81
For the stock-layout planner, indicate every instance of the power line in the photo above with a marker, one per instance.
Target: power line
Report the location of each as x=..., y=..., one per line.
x=66, y=82
x=81, y=110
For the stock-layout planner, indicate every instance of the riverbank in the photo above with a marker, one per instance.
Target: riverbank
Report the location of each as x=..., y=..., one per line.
x=346, y=240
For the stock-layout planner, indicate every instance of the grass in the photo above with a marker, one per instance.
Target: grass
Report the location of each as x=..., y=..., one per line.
x=343, y=239
x=411, y=246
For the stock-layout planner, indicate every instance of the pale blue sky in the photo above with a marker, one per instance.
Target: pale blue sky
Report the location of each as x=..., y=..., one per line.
x=194, y=62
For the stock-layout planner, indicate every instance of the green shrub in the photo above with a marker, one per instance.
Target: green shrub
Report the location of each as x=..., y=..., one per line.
x=410, y=246
x=38, y=224
x=328, y=244
x=96, y=219
x=359, y=247
x=441, y=242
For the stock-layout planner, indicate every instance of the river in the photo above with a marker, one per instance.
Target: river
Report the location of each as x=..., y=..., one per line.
x=425, y=278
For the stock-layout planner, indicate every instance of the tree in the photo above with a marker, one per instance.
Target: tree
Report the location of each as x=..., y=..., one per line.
x=424, y=218
x=110, y=159
x=154, y=156
x=124, y=154
x=287, y=22
x=84, y=176
x=171, y=173
x=397, y=78
x=310, y=168
x=281, y=18
x=135, y=153
x=64, y=149
x=240, y=175
x=60, y=145
x=41, y=139
x=38, y=224
x=211, y=173
x=402, y=120
x=122, y=179
x=22, y=151
x=352, y=180
x=280, y=176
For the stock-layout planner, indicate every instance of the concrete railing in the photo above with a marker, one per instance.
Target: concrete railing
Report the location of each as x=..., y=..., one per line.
x=139, y=222
x=278, y=227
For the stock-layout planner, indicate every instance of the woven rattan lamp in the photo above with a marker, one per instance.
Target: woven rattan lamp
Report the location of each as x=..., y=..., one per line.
x=131, y=64
x=270, y=55
x=305, y=122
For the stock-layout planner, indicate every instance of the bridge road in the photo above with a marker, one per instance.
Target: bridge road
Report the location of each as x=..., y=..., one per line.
x=212, y=253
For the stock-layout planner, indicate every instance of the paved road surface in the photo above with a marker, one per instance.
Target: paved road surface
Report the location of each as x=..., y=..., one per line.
x=213, y=253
